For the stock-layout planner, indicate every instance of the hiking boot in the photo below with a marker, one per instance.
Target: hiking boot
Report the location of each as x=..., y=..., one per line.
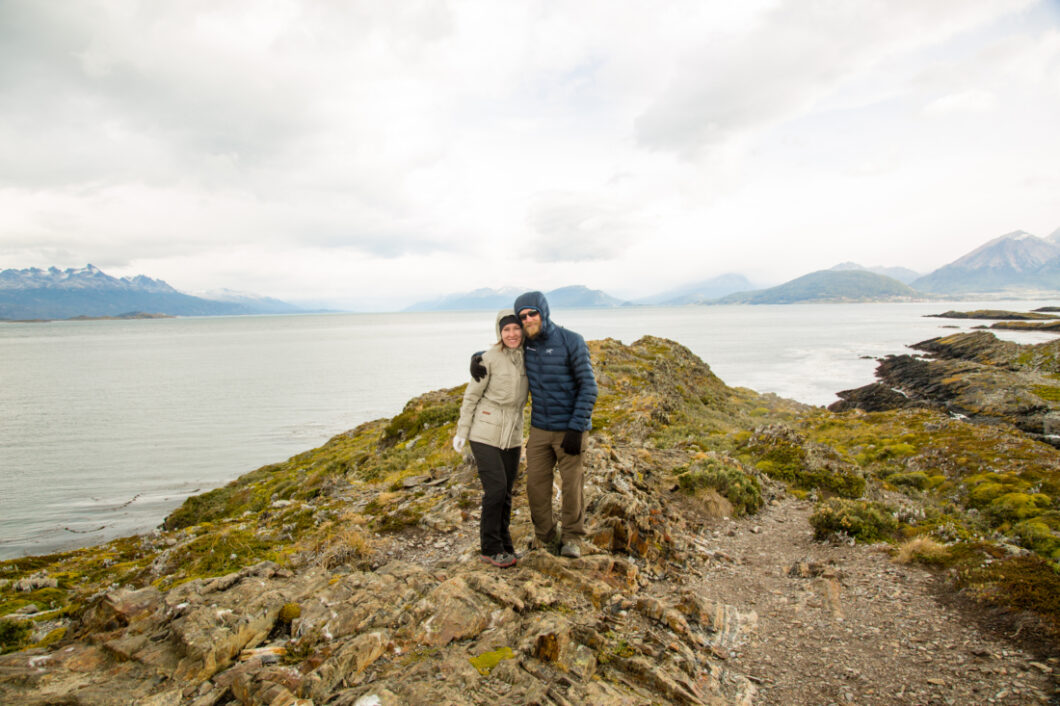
x=551, y=546
x=503, y=560
x=571, y=550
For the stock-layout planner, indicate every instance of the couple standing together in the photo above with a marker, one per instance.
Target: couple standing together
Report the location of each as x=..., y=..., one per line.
x=551, y=363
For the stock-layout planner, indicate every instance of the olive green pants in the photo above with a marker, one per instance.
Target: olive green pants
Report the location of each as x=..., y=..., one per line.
x=544, y=455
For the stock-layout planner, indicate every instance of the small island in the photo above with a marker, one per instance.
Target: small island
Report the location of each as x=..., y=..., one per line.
x=132, y=315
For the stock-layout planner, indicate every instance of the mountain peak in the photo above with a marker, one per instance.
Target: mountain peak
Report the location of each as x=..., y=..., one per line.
x=1018, y=251
x=1016, y=259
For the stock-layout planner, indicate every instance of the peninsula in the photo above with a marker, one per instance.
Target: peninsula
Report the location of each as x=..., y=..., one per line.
x=744, y=549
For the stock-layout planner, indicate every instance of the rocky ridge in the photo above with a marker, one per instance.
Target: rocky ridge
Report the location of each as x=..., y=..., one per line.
x=972, y=375
x=349, y=574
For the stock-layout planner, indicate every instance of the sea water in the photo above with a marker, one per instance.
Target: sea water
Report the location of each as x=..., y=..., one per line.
x=107, y=426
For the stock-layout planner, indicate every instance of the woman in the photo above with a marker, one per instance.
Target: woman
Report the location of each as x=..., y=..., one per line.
x=491, y=417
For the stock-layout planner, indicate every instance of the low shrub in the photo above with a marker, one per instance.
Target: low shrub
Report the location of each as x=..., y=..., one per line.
x=14, y=634
x=1041, y=535
x=863, y=520
x=1027, y=582
x=916, y=479
x=728, y=478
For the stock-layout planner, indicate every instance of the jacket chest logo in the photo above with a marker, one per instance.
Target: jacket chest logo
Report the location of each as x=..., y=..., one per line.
x=548, y=351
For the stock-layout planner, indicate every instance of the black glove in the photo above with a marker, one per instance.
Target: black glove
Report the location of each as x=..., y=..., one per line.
x=478, y=370
x=572, y=442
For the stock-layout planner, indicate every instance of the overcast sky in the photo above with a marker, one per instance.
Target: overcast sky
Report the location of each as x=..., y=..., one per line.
x=371, y=154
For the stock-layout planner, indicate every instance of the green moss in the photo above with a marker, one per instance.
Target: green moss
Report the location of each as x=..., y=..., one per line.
x=289, y=612
x=1012, y=507
x=1047, y=392
x=879, y=453
x=14, y=634
x=861, y=519
x=418, y=415
x=486, y=661
x=1038, y=536
x=216, y=553
x=52, y=637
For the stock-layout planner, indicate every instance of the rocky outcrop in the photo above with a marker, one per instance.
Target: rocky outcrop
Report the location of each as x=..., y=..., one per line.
x=995, y=315
x=373, y=591
x=349, y=574
x=590, y=630
x=971, y=376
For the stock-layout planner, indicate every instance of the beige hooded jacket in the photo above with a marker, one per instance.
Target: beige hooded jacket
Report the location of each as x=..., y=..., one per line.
x=492, y=411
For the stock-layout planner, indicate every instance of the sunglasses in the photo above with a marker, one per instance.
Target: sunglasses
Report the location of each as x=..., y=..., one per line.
x=529, y=315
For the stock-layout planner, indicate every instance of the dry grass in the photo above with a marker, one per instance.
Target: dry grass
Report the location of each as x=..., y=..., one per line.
x=922, y=550
x=346, y=540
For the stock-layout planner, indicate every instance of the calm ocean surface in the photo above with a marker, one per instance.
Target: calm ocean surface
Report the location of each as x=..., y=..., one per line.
x=106, y=426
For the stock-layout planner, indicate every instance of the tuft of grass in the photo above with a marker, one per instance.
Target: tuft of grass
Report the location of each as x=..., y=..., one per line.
x=923, y=550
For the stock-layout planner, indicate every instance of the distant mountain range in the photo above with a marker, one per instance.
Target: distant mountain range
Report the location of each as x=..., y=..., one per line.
x=64, y=294
x=1014, y=264
x=1011, y=264
x=573, y=297
x=828, y=286
x=700, y=292
x=902, y=274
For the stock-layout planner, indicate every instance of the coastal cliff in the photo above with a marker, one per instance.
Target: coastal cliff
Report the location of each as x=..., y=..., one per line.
x=349, y=574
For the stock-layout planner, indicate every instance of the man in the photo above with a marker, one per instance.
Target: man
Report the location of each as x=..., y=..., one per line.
x=562, y=394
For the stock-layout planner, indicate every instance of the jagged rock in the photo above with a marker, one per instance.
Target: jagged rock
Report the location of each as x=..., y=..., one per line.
x=120, y=608
x=451, y=611
x=445, y=517
x=970, y=375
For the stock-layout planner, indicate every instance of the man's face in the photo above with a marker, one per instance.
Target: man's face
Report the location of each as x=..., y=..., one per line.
x=531, y=319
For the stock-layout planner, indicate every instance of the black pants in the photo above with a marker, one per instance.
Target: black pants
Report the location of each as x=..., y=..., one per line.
x=497, y=469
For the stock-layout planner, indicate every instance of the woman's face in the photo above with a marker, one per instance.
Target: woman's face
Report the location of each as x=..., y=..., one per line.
x=512, y=335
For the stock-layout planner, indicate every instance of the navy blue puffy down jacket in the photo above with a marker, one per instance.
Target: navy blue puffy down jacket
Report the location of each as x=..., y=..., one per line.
x=562, y=385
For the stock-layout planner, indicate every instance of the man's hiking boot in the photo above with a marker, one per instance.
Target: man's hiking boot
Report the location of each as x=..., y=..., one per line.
x=571, y=550
x=552, y=546
x=503, y=560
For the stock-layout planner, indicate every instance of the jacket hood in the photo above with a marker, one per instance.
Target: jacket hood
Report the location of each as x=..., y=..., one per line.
x=497, y=322
x=535, y=300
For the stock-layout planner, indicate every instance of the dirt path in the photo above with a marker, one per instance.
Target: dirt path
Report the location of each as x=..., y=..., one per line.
x=850, y=626
x=837, y=624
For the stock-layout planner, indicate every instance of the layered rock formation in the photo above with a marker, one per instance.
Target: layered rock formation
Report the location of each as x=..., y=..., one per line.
x=974, y=376
x=350, y=575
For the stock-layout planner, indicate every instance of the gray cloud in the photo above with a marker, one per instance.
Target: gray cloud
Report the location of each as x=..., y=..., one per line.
x=799, y=52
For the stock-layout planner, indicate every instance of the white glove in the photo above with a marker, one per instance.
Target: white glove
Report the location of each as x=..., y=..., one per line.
x=458, y=443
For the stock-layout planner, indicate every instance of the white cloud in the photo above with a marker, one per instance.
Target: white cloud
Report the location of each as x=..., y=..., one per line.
x=369, y=152
x=973, y=101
